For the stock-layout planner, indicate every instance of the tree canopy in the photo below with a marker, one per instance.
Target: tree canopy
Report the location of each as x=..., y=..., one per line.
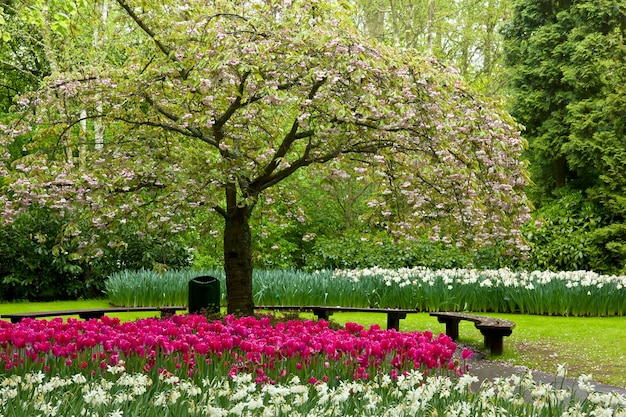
x=212, y=105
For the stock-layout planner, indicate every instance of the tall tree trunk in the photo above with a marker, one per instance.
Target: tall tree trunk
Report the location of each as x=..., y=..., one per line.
x=430, y=26
x=82, y=145
x=560, y=171
x=238, y=260
x=375, y=23
x=395, y=18
x=98, y=41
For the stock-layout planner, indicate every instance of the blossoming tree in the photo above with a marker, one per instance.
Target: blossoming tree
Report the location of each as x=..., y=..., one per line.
x=212, y=105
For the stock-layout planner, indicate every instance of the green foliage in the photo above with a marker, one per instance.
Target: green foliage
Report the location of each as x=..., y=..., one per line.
x=23, y=60
x=37, y=262
x=560, y=237
x=355, y=249
x=144, y=251
x=34, y=266
x=572, y=232
x=567, y=62
x=463, y=33
x=277, y=234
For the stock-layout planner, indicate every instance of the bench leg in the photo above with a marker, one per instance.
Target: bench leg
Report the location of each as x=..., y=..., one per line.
x=90, y=315
x=494, y=342
x=321, y=313
x=393, y=320
x=452, y=326
x=167, y=313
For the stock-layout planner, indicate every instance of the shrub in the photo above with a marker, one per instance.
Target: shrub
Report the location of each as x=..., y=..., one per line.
x=37, y=262
x=355, y=250
x=562, y=236
x=35, y=266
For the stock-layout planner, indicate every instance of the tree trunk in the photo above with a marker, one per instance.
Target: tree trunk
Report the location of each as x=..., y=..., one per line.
x=430, y=26
x=560, y=171
x=238, y=261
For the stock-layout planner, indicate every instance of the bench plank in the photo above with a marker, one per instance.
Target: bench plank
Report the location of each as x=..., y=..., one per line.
x=394, y=315
x=91, y=313
x=492, y=329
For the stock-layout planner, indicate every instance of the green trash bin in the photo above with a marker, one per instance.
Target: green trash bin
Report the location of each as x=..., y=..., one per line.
x=204, y=295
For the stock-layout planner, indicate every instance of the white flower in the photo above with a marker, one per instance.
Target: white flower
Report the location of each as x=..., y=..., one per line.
x=584, y=383
x=79, y=379
x=35, y=377
x=464, y=382
x=96, y=396
x=602, y=412
x=117, y=369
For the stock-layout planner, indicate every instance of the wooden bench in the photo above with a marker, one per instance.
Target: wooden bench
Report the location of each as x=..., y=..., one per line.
x=394, y=315
x=92, y=313
x=493, y=329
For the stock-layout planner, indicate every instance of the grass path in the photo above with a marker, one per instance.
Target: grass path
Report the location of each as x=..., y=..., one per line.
x=590, y=345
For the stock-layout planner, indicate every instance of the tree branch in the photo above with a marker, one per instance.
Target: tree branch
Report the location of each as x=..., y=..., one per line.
x=146, y=29
x=286, y=144
x=189, y=131
x=18, y=69
x=234, y=106
x=169, y=128
x=220, y=211
x=271, y=180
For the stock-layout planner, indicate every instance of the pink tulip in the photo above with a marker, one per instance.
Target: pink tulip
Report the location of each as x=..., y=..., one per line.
x=244, y=344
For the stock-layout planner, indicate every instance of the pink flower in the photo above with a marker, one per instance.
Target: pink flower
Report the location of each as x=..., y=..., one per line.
x=466, y=354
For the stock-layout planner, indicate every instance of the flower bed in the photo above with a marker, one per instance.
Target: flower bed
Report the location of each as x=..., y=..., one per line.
x=189, y=345
x=119, y=393
x=578, y=293
x=190, y=366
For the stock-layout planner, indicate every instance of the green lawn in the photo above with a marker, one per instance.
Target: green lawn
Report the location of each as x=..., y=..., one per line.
x=591, y=345
x=71, y=305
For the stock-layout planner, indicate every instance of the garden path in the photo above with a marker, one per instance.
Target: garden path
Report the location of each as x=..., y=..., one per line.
x=489, y=369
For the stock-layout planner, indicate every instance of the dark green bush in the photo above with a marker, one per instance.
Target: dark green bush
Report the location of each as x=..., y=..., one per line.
x=36, y=263
x=361, y=250
x=564, y=236
x=34, y=266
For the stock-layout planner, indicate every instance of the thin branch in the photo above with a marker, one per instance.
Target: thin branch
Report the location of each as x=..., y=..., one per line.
x=18, y=69
x=146, y=29
x=195, y=132
x=58, y=84
x=170, y=128
x=286, y=144
x=282, y=174
x=234, y=106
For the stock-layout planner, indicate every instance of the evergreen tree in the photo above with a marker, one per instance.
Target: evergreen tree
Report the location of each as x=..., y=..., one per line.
x=568, y=75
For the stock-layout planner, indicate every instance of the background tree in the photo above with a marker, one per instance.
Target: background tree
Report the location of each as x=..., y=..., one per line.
x=215, y=105
x=38, y=256
x=464, y=34
x=22, y=62
x=567, y=62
